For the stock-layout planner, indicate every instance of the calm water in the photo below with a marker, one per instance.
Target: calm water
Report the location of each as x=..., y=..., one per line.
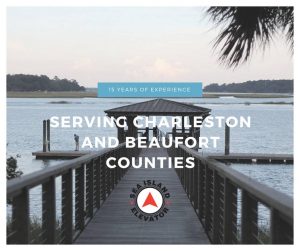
x=271, y=131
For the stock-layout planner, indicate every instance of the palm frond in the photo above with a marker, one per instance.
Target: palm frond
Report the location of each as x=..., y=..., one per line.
x=245, y=27
x=286, y=21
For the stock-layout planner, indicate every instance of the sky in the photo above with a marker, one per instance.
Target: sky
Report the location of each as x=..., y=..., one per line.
x=124, y=44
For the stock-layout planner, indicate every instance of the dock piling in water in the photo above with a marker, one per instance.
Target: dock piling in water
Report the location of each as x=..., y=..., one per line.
x=227, y=139
x=48, y=134
x=208, y=192
x=44, y=135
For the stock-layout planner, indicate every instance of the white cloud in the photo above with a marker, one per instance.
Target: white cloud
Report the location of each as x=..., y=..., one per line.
x=163, y=68
x=132, y=61
x=17, y=49
x=158, y=69
x=83, y=64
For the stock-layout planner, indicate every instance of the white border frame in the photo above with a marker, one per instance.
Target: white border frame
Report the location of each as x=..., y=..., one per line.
x=6, y=3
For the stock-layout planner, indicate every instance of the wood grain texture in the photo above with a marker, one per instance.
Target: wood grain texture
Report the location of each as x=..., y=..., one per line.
x=114, y=223
x=59, y=154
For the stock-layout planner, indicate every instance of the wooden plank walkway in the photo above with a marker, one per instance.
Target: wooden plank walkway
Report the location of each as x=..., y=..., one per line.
x=59, y=154
x=114, y=223
x=255, y=157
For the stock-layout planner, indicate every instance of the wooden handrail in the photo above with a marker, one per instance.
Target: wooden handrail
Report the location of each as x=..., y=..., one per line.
x=213, y=189
x=15, y=186
x=211, y=186
x=265, y=194
x=93, y=183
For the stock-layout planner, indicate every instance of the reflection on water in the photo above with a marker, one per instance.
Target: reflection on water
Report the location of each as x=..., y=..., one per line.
x=278, y=176
x=271, y=131
x=271, y=125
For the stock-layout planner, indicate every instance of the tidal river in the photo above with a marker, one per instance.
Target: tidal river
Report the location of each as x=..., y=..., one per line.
x=271, y=131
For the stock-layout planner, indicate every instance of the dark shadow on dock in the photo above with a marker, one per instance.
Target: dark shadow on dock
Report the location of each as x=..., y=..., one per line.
x=114, y=223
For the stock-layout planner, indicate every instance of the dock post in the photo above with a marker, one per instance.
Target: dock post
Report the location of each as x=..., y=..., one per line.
x=44, y=135
x=132, y=130
x=147, y=133
x=227, y=139
x=48, y=134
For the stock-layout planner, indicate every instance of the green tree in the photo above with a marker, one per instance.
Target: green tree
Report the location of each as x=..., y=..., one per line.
x=26, y=82
x=12, y=168
x=242, y=28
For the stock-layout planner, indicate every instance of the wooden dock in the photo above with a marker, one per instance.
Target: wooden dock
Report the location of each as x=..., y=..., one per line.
x=204, y=205
x=232, y=157
x=263, y=158
x=114, y=223
x=59, y=154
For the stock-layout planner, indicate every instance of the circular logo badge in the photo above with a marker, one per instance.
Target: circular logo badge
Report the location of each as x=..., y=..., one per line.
x=149, y=200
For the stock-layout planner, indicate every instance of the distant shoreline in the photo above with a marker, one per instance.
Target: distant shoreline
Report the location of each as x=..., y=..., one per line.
x=94, y=95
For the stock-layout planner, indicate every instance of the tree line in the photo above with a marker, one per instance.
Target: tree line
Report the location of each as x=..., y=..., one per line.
x=26, y=82
x=259, y=86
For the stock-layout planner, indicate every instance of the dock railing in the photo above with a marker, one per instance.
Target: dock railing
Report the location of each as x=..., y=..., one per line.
x=227, y=202
x=86, y=182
